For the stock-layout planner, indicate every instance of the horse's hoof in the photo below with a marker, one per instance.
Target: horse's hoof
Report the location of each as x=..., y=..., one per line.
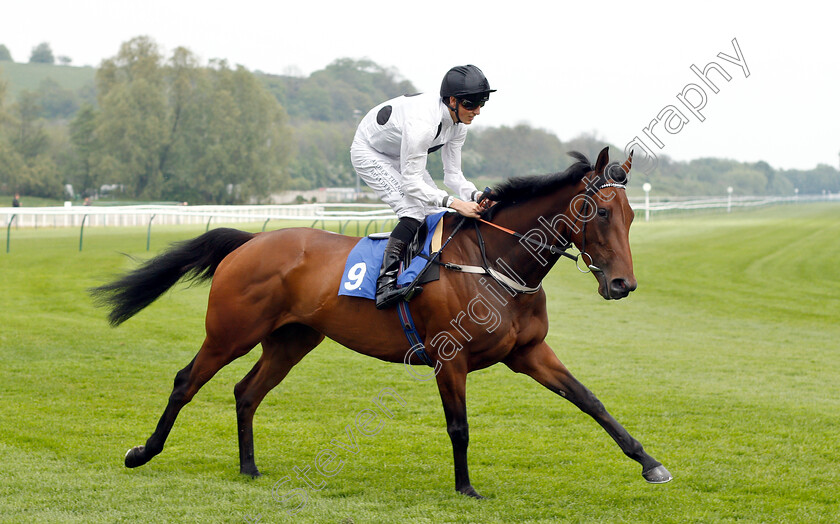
x=657, y=475
x=135, y=457
x=470, y=492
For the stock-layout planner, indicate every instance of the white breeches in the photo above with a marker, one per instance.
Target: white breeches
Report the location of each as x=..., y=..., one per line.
x=382, y=174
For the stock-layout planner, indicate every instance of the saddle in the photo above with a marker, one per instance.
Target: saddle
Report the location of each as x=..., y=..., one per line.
x=362, y=266
x=417, y=245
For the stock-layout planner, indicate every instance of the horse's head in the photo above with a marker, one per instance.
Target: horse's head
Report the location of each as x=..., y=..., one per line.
x=603, y=239
x=585, y=205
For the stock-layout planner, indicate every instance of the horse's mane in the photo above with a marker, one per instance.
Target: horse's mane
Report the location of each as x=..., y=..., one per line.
x=521, y=189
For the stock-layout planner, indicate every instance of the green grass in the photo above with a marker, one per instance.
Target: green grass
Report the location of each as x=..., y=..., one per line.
x=724, y=364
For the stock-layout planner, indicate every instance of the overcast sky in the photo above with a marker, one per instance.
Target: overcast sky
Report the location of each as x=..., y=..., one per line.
x=608, y=68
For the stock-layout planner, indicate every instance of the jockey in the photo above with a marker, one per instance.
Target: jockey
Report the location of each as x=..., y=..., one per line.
x=389, y=153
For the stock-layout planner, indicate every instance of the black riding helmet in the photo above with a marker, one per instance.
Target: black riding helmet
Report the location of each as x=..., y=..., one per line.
x=465, y=82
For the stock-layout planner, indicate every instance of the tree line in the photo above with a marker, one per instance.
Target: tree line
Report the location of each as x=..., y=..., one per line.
x=41, y=54
x=170, y=128
x=160, y=129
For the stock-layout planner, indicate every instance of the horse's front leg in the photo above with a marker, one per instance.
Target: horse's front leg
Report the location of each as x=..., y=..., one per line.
x=452, y=384
x=540, y=363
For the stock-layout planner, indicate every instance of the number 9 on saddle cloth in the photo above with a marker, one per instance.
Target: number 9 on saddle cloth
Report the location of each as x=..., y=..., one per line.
x=364, y=261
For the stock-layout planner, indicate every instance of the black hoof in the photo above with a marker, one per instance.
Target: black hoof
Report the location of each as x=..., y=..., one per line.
x=470, y=492
x=657, y=475
x=136, y=456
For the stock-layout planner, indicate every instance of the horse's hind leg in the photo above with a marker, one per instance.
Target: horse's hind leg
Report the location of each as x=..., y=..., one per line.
x=540, y=363
x=209, y=360
x=282, y=349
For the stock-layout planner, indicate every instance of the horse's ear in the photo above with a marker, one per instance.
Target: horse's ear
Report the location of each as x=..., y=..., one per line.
x=603, y=160
x=628, y=164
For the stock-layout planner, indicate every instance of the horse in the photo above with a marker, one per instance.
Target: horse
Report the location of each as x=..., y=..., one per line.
x=279, y=289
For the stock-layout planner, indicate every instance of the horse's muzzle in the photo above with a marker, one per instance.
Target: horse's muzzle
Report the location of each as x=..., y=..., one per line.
x=620, y=288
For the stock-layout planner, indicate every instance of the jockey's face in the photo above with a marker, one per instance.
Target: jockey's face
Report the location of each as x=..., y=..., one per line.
x=466, y=115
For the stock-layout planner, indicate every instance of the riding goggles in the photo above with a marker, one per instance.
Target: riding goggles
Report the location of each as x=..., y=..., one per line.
x=471, y=105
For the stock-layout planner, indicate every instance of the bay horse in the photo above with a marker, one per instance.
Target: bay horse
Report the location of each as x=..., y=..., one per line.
x=279, y=289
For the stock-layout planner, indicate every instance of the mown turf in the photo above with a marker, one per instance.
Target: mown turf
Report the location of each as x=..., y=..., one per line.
x=724, y=364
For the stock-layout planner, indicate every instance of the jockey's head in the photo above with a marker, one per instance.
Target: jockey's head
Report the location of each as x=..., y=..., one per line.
x=464, y=90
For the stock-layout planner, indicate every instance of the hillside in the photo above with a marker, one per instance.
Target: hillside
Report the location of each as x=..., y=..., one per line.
x=20, y=77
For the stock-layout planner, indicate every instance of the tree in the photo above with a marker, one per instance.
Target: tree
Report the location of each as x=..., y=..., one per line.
x=815, y=181
x=42, y=54
x=502, y=148
x=83, y=173
x=29, y=138
x=231, y=143
x=56, y=101
x=321, y=155
x=10, y=161
x=743, y=179
x=339, y=92
x=26, y=157
x=5, y=55
x=175, y=130
x=11, y=167
x=132, y=123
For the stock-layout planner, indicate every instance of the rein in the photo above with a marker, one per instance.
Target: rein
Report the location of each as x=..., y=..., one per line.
x=554, y=249
x=501, y=278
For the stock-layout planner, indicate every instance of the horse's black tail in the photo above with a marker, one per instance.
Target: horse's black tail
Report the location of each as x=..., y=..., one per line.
x=195, y=259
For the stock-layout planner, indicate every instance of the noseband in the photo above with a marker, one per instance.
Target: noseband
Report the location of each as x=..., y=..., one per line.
x=591, y=267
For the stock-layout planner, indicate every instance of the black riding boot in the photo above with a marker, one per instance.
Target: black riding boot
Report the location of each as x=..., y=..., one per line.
x=387, y=294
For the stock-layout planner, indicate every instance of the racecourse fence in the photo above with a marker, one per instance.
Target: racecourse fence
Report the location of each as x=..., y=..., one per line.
x=142, y=215
x=367, y=218
x=713, y=203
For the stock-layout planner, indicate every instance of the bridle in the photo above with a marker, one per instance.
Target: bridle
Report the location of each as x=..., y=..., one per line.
x=560, y=248
x=589, y=196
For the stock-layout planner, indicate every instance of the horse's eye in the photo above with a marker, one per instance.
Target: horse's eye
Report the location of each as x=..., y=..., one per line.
x=603, y=212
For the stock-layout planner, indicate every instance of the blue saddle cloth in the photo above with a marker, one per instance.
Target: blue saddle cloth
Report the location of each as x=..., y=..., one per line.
x=362, y=267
